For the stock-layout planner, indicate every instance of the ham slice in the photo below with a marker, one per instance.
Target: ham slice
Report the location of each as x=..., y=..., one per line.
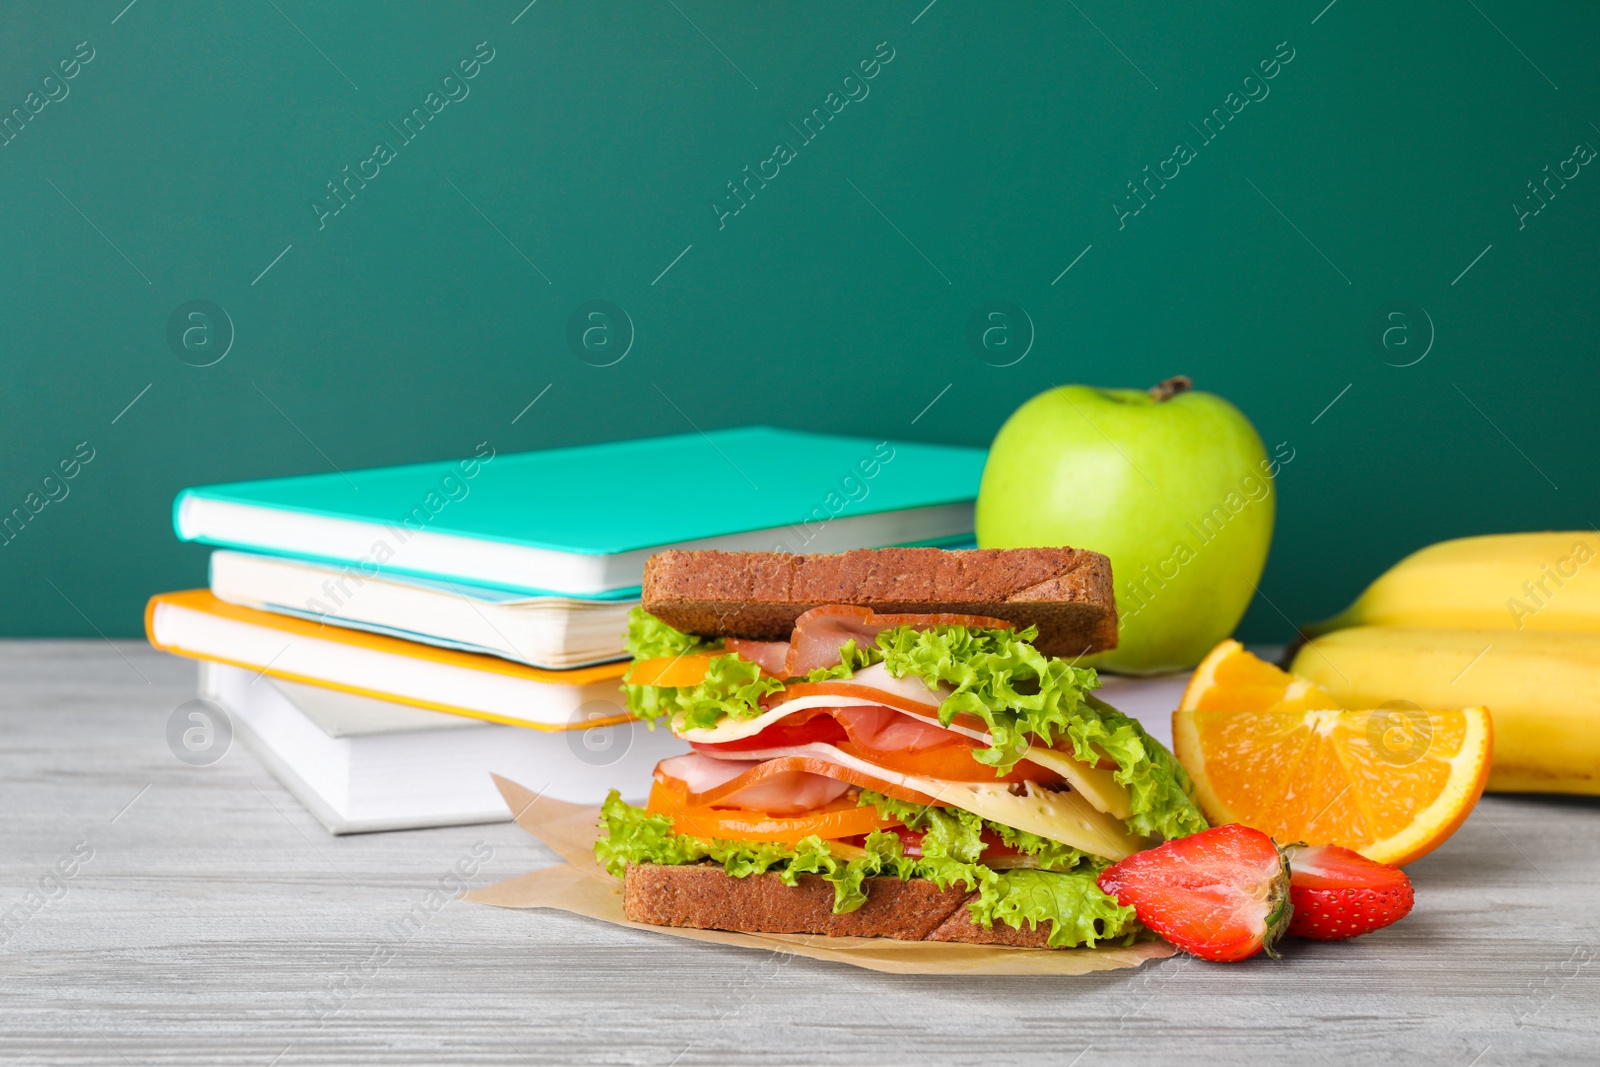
x=905, y=734
x=778, y=791
x=887, y=730
x=791, y=782
x=818, y=636
x=774, y=786
x=820, y=633
x=770, y=656
x=701, y=773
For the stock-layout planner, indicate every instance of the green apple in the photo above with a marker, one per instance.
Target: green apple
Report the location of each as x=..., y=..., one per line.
x=1174, y=486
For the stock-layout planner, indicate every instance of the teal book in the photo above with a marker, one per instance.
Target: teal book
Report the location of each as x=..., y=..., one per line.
x=581, y=521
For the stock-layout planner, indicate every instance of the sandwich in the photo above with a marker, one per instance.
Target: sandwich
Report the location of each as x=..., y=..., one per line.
x=886, y=743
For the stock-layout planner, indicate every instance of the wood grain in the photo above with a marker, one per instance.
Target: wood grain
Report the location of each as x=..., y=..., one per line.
x=215, y=920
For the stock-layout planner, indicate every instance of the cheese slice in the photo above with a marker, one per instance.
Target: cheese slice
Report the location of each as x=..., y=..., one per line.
x=1098, y=785
x=1066, y=816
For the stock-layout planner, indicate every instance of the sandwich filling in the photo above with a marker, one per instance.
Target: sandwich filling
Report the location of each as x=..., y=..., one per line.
x=943, y=747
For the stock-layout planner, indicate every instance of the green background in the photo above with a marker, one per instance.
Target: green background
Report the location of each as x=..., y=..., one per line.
x=984, y=160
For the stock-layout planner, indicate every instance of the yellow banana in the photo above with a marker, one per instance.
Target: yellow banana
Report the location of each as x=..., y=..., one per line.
x=1542, y=690
x=1525, y=581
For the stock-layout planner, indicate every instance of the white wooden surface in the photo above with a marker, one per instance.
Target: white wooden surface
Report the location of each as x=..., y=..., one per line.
x=215, y=913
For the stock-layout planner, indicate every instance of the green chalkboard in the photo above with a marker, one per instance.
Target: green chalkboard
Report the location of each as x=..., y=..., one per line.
x=269, y=237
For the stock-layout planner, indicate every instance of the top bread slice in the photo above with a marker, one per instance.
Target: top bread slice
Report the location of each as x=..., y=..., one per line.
x=1065, y=592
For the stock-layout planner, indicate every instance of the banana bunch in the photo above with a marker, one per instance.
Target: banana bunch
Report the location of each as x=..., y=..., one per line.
x=1525, y=581
x=1511, y=621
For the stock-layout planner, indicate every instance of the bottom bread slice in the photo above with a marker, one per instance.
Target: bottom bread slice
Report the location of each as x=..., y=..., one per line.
x=705, y=897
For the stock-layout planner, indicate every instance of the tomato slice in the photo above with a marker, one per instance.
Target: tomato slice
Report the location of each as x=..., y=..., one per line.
x=801, y=728
x=671, y=670
x=840, y=818
x=951, y=762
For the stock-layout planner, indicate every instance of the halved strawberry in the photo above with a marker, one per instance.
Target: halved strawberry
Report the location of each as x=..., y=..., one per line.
x=1221, y=894
x=1338, y=893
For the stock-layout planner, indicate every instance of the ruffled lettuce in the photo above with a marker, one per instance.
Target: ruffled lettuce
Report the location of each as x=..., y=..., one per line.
x=851, y=659
x=1161, y=794
x=732, y=688
x=650, y=638
x=1070, y=901
x=957, y=834
x=996, y=675
x=1074, y=905
x=1022, y=695
x=881, y=856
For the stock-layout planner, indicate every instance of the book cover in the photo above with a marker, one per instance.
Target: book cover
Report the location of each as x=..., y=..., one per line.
x=625, y=496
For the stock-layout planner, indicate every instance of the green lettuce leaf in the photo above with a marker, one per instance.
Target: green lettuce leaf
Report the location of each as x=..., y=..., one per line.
x=1079, y=913
x=956, y=834
x=1161, y=794
x=851, y=659
x=1049, y=855
x=650, y=638
x=732, y=687
x=633, y=835
x=849, y=876
x=998, y=676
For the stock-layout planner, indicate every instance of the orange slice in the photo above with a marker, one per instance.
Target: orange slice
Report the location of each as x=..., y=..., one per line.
x=1276, y=752
x=1231, y=679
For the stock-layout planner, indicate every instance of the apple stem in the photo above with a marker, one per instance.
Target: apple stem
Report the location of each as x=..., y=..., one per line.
x=1171, y=387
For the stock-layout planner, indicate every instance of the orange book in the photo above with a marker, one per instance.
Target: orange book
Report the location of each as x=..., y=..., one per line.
x=195, y=624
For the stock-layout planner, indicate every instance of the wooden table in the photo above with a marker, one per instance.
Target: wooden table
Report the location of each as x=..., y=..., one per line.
x=215, y=922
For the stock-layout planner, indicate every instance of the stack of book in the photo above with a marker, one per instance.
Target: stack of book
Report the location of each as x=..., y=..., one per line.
x=384, y=639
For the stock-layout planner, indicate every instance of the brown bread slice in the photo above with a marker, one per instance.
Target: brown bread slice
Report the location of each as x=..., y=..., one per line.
x=704, y=897
x=960, y=927
x=1065, y=592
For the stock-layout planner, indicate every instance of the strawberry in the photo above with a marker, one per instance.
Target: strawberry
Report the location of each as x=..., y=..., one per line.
x=1338, y=893
x=1221, y=894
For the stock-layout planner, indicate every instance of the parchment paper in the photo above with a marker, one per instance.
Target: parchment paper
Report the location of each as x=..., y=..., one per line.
x=582, y=886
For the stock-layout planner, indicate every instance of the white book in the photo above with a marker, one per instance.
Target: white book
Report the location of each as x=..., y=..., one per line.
x=544, y=631
x=358, y=764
